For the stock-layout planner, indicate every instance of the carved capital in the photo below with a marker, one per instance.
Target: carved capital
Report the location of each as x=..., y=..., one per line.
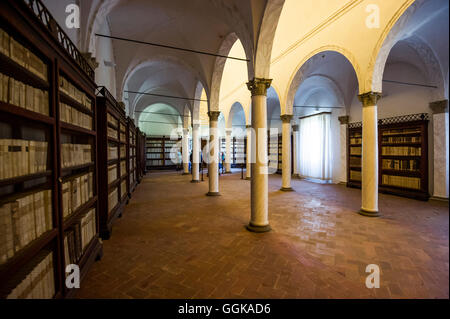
x=369, y=98
x=344, y=119
x=286, y=118
x=195, y=126
x=295, y=128
x=122, y=105
x=213, y=115
x=91, y=60
x=259, y=86
x=248, y=126
x=438, y=107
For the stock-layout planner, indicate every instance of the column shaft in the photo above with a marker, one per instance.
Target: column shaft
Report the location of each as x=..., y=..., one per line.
x=213, y=152
x=286, y=156
x=369, y=177
x=228, y=151
x=248, y=160
x=295, y=148
x=259, y=220
x=185, y=154
x=195, y=153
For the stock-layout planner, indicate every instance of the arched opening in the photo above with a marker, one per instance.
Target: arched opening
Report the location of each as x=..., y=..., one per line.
x=327, y=85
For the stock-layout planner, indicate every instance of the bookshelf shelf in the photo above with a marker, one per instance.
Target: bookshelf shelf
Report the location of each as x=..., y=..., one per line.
x=111, y=120
x=24, y=178
x=76, y=129
x=72, y=218
x=26, y=253
x=17, y=112
x=400, y=174
x=38, y=67
x=12, y=69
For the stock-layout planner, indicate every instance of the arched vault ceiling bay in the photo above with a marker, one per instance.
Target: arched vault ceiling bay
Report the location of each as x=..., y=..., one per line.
x=198, y=25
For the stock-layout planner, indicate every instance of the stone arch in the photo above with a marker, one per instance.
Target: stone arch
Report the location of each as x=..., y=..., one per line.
x=301, y=73
x=266, y=36
x=236, y=107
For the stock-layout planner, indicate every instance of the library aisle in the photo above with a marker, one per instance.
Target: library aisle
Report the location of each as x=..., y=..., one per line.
x=319, y=246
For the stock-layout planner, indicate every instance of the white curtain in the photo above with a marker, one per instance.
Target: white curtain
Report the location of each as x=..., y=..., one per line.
x=314, y=148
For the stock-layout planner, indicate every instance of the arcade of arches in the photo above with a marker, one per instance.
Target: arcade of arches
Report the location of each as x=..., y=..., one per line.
x=356, y=92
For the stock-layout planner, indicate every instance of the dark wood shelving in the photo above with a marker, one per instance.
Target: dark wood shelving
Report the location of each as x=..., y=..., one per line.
x=70, y=220
x=415, y=121
x=77, y=167
x=73, y=103
x=24, y=178
x=77, y=129
x=26, y=114
x=18, y=72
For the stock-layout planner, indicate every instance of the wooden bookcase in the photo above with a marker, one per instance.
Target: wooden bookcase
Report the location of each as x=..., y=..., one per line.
x=403, y=155
x=275, y=152
x=113, y=161
x=53, y=102
x=132, y=156
x=239, y=156
x=158, y=149
x=141, y=167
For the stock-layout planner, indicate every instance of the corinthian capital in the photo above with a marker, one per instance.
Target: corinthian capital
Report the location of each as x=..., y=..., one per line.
x=213, y=115
x=259, y=86
x=286, y=118
x=369, y=98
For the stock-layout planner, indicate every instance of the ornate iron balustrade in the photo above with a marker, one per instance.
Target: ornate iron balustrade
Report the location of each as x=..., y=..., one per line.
x=42, y=13
x=396, y=119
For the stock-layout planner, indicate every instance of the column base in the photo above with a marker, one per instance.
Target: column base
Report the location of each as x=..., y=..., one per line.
x=213, y=194
x=258, y=229
x=195, y=181
x=368, y=213
x=287, y=189
x=248, y=178
x=228, y=172
x=186, y=174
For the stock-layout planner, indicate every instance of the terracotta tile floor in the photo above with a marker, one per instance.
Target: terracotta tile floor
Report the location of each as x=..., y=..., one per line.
x=175, y=242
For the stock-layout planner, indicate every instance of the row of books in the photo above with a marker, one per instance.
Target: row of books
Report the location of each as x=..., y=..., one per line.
x=401, y=151
x=355, y=161
x=401, y=139
x=404, y=165
x=112, y=173
x=123, y=151
x=22, y=95
x=157, y=145
x=123, y=188
x=401, y=181
x=154, y=155
x=355, y=150
x=23, y=220
x=66, y=87
x=123, y=167
x=39, y=282
x=355, y=140
x=76, y=192
x=112, y=120
x=355, y=175
x=72, y=116
x=154, y=162
x=22, y=157
x=113, y=199
x=401, y=131
x=78, y=237
x=22, y=56
x=123, y=137
x=112, y=132
x=112, y=151
x=75, y=154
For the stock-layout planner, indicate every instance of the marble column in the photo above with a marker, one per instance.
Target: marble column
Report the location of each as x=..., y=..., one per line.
x=248, y=160
x=213, y=154
x=228, y=150
x=440, y=149
x=259, y=220
x=343, y=147
x=295, y=133
x=195, y=153
x=185, y=148
x=286, y=154
x=369, y=193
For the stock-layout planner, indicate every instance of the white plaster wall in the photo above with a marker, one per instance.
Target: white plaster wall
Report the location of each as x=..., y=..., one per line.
x=105, y=75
